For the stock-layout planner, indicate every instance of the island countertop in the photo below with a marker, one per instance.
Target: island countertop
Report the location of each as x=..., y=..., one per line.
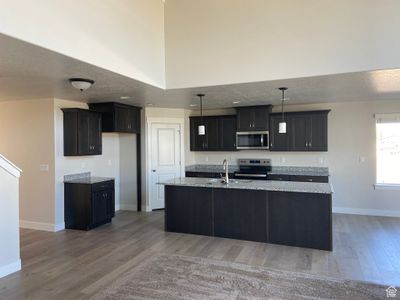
x=266, y=185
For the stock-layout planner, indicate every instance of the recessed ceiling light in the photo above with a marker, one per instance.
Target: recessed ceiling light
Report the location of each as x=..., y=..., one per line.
x=236, y=102
x=124, y=97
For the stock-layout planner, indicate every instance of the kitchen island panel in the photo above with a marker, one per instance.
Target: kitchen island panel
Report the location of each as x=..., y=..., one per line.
x=241, y=214
x=300, y=219
x=188, y=210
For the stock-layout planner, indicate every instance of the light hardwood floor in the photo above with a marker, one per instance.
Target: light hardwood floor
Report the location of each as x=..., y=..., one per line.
x=75, y=264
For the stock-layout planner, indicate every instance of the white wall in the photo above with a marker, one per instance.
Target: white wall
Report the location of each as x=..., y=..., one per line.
x=212, y=42
x=27, y=139
x=9, y=224
x=128, y=172
x=123, y=36
x=105, y=165
x=351, y=135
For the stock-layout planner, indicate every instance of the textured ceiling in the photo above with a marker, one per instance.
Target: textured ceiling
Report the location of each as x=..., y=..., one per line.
x=28, y=72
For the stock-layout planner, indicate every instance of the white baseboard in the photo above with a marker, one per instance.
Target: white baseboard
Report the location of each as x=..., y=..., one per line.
x=41, y=226
x=366, y=212
x=10, y=268
x=131, y=207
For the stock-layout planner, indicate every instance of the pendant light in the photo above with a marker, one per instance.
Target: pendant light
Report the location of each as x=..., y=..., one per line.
x=282, y=123
x=202, y=127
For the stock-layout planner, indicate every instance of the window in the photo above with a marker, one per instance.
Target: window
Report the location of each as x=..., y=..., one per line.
x=388, y=149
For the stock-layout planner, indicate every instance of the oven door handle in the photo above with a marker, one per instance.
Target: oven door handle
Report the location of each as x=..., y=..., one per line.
x=251, y=175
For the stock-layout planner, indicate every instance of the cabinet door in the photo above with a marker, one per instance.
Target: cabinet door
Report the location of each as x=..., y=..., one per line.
x=240, y=214
x=83, y=133
x=197, y=142
x=133, y=122
x=100, y=208
x=95, y=138
x=245, y=119
x=227, y=133
x=188, y=210
x=279, y=141
x=318, y=132
x=299, y=132
x=261, y=119
x=121, y=119
x=212, y=141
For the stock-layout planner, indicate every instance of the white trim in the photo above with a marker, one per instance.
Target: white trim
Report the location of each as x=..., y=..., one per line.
x=387, y=186
x=41, y=226
x=157, y=120
x=130, y=207
x=10, y=268
x=10, y=167
x=366, y=212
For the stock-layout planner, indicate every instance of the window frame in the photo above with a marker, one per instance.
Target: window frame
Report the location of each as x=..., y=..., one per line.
x=384, y=118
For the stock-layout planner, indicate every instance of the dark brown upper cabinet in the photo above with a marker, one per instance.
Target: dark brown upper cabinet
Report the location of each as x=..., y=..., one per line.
x=82, y=132
x=117, y=117
x=220, y=134
x=305, y=131
x=253, y=118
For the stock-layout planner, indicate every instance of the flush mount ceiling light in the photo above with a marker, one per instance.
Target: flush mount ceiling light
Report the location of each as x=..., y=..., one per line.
x=81, y=84
x=236, y=102
x=193, y=105
x=202, y=127
x=124, y=97
x=282, y=124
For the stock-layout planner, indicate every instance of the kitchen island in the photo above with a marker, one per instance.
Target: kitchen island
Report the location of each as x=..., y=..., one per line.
x=280, y=212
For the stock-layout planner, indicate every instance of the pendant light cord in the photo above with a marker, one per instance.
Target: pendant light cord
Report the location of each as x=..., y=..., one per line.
x=283, y=89
x=283, y=97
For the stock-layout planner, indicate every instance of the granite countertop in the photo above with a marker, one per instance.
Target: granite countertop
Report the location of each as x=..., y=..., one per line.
x=211, y=168
x=88, y=180
x=266, y=185
x=303, y=171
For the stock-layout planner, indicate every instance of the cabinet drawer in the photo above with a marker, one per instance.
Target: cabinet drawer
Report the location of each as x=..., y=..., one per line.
x=106, y=185
x=278, y=177
x=309, y=178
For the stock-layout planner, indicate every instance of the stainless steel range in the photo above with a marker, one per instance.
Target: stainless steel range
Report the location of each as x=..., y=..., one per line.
x=253, y=169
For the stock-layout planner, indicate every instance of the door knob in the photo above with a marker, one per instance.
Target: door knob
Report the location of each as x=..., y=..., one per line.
x=153, y=171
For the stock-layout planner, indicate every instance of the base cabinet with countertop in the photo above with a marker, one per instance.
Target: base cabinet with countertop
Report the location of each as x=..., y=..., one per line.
x=289, y=218
x=88, y=202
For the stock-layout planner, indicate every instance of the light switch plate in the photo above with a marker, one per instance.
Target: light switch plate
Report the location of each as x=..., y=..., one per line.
x=44, y=168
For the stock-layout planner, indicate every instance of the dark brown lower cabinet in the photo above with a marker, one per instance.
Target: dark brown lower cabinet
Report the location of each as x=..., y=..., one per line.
x=294, y=219
x=87, y=206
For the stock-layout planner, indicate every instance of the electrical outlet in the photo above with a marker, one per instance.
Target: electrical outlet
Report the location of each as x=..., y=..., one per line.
x=361, y=159
x=206, y=159
x=83, y=165
x=109, y=162
x=283, y=159
x=321, y=161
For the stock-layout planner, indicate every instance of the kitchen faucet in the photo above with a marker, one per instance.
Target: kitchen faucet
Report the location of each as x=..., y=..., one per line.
x=225, y=167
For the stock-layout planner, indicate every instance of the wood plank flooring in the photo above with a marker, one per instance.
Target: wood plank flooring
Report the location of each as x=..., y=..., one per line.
x=75, y=264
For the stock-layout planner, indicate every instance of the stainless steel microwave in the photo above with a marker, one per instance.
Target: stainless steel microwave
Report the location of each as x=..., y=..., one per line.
x=252, y=140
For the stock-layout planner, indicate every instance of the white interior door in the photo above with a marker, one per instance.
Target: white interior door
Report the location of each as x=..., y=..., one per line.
x=165, y=159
